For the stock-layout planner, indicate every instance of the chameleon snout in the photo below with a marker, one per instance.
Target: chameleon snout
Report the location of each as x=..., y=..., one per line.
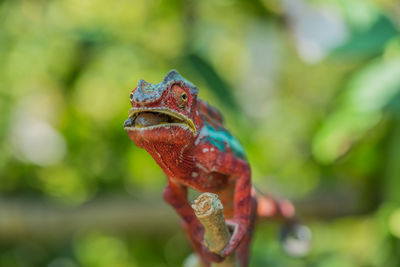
x=129, y=122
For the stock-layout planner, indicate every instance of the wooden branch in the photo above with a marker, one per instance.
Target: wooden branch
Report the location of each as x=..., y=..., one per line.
x=209, y=210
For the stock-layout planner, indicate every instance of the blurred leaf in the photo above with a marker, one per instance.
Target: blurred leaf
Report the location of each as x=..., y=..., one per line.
x=392, y=173
x=393, y=106
x=213, y=80
x=98, y=250
x=370, y=41
x=394, y=223
x=360, y=108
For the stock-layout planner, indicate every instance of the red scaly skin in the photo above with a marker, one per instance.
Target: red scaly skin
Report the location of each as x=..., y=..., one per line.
x=186, y=138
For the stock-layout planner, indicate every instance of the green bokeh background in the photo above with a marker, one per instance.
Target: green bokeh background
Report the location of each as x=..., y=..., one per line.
x=310, y=88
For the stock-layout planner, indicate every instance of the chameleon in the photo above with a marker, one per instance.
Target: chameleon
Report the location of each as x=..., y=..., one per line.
x=186, y=137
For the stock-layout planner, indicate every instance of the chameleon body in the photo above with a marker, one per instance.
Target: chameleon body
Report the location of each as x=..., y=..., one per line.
x=187, y=139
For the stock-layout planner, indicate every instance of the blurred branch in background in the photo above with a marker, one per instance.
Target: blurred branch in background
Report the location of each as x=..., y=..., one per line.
x=32, y=218
x=21, y=219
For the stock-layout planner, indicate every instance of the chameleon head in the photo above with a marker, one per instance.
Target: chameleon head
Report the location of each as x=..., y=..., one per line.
x=163, y=112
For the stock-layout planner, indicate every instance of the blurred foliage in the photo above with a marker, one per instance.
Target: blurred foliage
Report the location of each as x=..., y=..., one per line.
x=311, y=89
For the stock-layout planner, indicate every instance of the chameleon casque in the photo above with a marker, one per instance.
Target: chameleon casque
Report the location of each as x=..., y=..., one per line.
x=187, y=139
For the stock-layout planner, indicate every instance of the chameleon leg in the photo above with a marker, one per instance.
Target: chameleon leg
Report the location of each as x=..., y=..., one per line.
x=197, y=247
x=244, y=248
x=176, y=196
x=239, y=171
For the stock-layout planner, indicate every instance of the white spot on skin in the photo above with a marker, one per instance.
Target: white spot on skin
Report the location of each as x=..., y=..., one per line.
x=195, y=174
x=205, y=150
x=203, y=133
x=212, y=149
x=201, y=167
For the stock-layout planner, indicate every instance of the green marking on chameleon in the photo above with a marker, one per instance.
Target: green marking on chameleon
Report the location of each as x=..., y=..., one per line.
x=219, y=138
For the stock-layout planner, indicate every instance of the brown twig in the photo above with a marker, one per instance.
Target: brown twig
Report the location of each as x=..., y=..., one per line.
x=208, y=209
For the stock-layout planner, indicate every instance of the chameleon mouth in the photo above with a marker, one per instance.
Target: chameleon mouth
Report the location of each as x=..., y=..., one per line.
x=156, y=117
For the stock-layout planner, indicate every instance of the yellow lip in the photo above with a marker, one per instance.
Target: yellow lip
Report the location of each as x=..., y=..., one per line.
x=186, y=121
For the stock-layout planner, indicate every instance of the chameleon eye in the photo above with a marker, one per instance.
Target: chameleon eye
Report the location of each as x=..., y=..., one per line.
x=183, y=101
x=180, y=96
x=184, y=97
x=131, y=96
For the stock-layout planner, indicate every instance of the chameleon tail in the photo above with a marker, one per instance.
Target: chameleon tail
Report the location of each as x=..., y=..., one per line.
x=295, y=237
x=271, y=208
